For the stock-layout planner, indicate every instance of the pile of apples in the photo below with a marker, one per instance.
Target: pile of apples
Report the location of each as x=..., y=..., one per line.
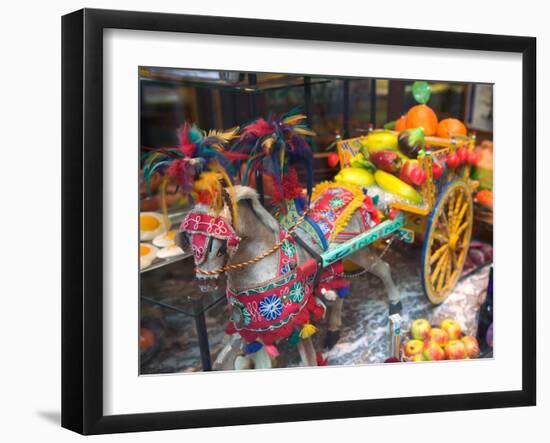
x=445, y=342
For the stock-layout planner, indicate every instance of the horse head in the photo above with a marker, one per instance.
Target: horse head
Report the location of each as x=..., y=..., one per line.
x=215, y=236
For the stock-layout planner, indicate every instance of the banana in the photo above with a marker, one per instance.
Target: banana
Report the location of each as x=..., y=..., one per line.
x=392, y=184
x=380, y=139
x=355, y=176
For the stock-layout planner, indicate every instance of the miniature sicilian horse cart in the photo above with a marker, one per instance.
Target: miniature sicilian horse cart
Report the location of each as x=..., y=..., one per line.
x=285, y=262
x=442, y=219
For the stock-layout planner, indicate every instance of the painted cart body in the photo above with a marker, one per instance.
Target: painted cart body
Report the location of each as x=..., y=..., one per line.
x=443, y=224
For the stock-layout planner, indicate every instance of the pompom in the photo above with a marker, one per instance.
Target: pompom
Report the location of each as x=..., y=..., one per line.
x=294, y=338
x=271, y=350
x=342, y=292
x=307, y=330
x=255, y=346
x=321, y=360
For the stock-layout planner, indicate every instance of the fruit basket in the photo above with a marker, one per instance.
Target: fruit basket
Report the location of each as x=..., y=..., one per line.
x=423, y=341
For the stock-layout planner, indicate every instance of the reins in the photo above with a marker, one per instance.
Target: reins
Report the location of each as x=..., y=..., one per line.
x=276, y=247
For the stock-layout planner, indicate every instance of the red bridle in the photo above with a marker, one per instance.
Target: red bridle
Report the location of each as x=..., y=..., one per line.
x=202, y=228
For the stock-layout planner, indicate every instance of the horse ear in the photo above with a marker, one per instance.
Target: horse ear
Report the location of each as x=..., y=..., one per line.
x=263, y=214
x=228, y=210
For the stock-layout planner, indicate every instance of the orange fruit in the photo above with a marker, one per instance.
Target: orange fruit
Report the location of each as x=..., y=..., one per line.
x=485, y=197
x=146, y=339
x=401, y=123
x=422, y=116
x=449, y=127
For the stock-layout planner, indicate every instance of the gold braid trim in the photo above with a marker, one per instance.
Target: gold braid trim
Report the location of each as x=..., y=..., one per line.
x=352, y=206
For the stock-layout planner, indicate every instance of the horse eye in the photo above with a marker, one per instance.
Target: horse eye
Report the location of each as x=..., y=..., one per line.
x=222, y=250
x=182, y=240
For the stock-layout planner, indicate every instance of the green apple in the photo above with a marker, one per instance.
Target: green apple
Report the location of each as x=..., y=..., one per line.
x=471, y=345
x=452, y=327
x=414, y=347
x=432, y=351
x=439, y=336
x=455, y=350
x=420, y=329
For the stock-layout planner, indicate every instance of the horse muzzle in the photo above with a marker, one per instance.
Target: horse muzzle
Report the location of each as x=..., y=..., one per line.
x=208, y=283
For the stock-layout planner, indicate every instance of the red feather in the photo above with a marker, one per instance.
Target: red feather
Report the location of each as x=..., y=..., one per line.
x=186, y=146
x=260, y=128
x=235, y=155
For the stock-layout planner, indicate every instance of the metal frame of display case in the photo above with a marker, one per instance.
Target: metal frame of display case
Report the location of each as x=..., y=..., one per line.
x=83, y=189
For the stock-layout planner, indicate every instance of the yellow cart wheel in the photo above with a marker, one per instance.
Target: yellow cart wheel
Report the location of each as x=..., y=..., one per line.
x=447, y=240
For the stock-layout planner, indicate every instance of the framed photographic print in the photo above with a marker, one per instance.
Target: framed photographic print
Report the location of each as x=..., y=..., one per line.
x=273, y=221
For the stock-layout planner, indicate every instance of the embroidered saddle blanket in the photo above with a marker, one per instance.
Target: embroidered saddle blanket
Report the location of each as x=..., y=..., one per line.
x=277, y=308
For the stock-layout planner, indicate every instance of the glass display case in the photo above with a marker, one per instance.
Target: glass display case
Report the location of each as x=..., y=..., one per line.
x=217, y=99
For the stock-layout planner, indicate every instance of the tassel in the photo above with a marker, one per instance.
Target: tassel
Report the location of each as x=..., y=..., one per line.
x=342, y=292
x=307, y=330
x=255, y=346
x=271, y=350
x=294, y=337
x=321, y=360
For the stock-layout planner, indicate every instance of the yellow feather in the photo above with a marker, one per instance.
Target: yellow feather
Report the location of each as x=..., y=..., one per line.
x=304, y=131
x=267, y=145
x=226, y=134
x=294, y=119
x=229, y=188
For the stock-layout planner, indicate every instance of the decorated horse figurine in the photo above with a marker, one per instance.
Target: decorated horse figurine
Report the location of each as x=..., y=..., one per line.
x=270, y=290
x=275, y=287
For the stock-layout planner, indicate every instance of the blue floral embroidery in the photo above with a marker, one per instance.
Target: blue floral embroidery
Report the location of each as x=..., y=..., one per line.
x=285, y=268
x=324, y=227
x=297, y=292
x=271, y=307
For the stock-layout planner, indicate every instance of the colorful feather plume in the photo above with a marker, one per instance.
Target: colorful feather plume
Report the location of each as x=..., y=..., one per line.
x=200, y=160
x=274, y=145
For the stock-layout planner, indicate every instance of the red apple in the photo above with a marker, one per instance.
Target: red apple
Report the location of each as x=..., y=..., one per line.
x=455, y=350
x=439, y=336
x=420, y=329
x=451, y=327
x=473, y=157
x=432, y=351
x=462, y=155
x=414, y=347
x=453, y=161
x=333, y=160
x=437, y=169
x=471, y=345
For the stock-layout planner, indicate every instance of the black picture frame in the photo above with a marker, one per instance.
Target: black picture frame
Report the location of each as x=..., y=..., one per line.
x=82, y=188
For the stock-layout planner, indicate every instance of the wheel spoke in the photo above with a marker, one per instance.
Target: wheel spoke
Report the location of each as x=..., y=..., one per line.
x=438, y=253
x=453, y=260
x=450, y=209
x=437, y=269
x=461, y=214
x=456, y=219
x=441, y=237
x=444, y=215
x=443, y=272
x=451, y=263
x=462, y=227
